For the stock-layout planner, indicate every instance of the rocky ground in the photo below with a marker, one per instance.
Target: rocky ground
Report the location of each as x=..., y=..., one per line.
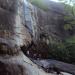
x=21, y=65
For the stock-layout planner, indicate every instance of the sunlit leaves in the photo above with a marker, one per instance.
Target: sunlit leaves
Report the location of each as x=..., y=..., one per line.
x=68, y=8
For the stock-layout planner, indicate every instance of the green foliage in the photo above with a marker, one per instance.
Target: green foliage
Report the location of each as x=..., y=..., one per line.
x=69, y=22
x=67, y=26
x=63, y=51
x=58, y=51
x=74, y=10
x=68, y=18
x=72, y=22
x=71, y=40
x=40, y=3
x=69, y=7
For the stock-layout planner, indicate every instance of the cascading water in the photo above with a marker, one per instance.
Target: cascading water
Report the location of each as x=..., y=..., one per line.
x=30, y=18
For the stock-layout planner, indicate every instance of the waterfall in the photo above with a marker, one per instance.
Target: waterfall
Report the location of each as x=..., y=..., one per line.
x=30, y=19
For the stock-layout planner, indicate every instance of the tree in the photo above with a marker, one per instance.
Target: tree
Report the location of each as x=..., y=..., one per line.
x=69, y=20
x=69, y=5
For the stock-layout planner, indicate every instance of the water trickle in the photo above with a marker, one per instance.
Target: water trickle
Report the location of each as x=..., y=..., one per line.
x=30, y=20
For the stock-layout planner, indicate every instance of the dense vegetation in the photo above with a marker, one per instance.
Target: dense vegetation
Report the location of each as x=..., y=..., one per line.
x=65, y=51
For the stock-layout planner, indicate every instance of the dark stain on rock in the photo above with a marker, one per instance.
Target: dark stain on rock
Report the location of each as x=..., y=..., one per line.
x=10, y=5
x=6, y=49
x=11, y=69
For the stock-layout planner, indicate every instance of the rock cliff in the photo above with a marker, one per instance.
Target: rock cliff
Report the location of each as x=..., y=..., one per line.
x=12, y=21
x=50, y=22
x=20, y=23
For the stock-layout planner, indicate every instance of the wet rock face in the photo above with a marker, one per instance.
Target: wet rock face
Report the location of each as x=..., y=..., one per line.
x=11, y=69
x=12, y=21
x=10, y=5
x=50, y=25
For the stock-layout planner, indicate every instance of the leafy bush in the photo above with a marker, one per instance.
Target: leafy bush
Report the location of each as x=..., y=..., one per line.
x=63, y=51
